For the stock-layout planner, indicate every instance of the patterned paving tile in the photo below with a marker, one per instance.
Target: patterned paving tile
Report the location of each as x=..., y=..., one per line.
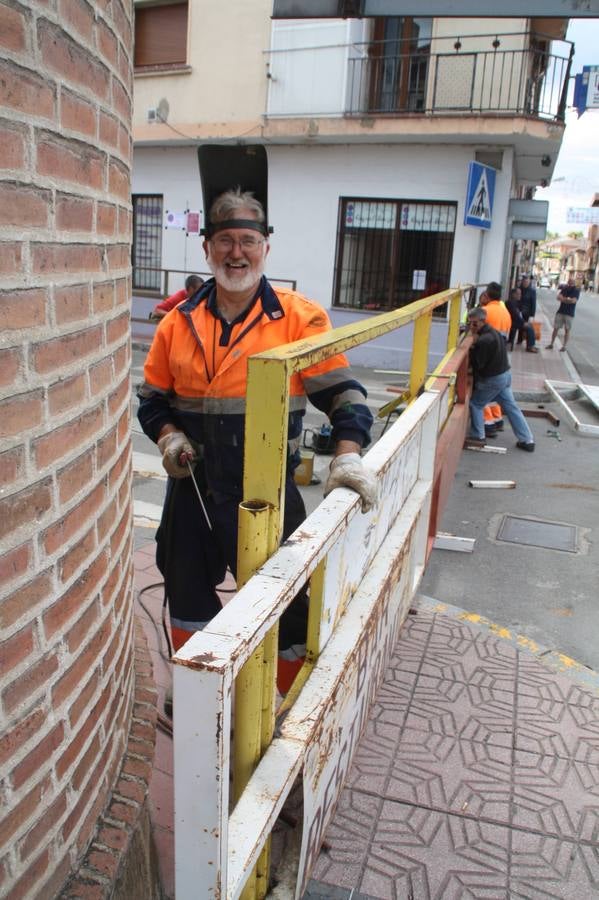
x=544, y=867
x=553, y=795
x=451, y=708
x=454, y=776
x=564, y=729
x=470, y=858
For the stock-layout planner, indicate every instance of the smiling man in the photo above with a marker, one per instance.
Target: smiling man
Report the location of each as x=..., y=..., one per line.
x=192, y=404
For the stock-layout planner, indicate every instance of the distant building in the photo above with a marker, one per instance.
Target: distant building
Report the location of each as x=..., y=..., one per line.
x=370, y=126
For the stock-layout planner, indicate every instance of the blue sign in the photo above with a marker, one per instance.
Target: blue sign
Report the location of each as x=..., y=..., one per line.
x=479, y=195
x=586, y=89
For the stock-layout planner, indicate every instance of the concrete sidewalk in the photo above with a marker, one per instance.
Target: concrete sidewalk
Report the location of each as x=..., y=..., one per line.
x=478, y=774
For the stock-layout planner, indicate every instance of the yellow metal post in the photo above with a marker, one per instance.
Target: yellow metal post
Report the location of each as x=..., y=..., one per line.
x=422, y=330
x=455, y=307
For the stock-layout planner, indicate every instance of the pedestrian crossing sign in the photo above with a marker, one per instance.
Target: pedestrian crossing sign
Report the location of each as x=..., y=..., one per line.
x=479, y=195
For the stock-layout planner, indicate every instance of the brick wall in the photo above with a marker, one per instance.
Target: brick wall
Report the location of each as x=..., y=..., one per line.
x=65, y=454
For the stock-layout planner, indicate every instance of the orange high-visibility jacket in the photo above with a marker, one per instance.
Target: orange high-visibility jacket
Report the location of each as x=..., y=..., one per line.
x=498, y=316
x=196, y=378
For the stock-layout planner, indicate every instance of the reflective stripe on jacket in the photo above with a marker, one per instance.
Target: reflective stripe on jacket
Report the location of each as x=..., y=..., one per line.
x=197, y=383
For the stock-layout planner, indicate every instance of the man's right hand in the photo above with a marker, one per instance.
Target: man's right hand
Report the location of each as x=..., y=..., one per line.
x=176, y=453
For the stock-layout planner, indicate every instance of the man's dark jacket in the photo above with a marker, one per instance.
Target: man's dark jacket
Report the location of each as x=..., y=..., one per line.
x=488, y=354
x=528, y=302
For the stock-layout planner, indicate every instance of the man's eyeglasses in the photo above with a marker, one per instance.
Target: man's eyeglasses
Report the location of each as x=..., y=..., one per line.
x=225, y=243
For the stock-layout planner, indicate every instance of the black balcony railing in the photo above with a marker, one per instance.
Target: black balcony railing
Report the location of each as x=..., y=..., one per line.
x=505, y=82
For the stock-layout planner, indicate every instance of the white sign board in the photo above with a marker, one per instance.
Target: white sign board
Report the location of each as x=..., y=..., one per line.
x=418, y=279
x=174, y=219
x=583, y=215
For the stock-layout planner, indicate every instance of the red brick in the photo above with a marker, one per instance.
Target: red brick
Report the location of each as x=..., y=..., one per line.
x=137, y=767
x=77, y=114
x=70, y=160
x=118, y=180
x=79, y=15
x=59, y=442
x=100, y=376
x=15, y=562
x=38, y=757
x=10, y=251
x=43, y=826
x=23, y=308
x=66, y=393
x=109, y=586
x=21, y=413
x=66, y=686
x=22, y=206
x=104, y=862
x=71, y=303
x=103, y=296
x=125, y=145
x=120, y=396
x=12, y=142
x=25, y=507
x=83, y=700
x=12, y=467
x=106, y=219
x=106, y=448
x=123, y=425
x=25, y=599
x=14, y=820
x=60, y=352
x=75, y=476
x=107, y=43
x=25, y=91
x=115, y=838
x=71, y=602
x=24, y=730
x=82, y=627
x=88, y=760
x=28, y=882
x=77, y=556
x=51, y=886
x=84, y=889
x=30, y=681
x=131, y=789
x=65, y=259
x=117, y=328
x=124, y=225
x=87, y=827
x=11, y=361
x=122, y=23
x=123, y=812
x=108, y=128
x=58, y=534
x=118, y=256
x=121, y=101
x=113, y=647
x=74, y=213
x=13, y=28
x=14, y=650
x=121, y=358
x=67, y=58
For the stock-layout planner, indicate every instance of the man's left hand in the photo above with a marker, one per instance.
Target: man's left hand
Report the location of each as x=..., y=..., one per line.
x=348, y=470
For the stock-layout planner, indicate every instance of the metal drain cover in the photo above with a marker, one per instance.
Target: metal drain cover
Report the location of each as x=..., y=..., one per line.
x=536, y=533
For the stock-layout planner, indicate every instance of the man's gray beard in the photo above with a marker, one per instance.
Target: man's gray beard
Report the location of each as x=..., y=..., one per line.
x=237, y=285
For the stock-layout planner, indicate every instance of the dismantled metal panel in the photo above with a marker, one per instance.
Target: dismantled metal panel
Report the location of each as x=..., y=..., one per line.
x=538, y=533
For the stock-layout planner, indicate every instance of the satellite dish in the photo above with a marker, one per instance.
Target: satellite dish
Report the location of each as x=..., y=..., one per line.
x=163, y=109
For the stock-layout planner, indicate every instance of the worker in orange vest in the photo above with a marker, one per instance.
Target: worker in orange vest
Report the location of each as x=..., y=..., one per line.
x=498, y=318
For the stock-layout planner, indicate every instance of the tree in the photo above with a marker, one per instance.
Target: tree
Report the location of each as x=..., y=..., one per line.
x=575, y=234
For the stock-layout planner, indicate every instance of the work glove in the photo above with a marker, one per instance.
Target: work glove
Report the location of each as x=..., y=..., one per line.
x=176, y=450
x=348, y=470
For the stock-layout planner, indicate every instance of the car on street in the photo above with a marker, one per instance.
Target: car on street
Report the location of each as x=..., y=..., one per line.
x=544, y=283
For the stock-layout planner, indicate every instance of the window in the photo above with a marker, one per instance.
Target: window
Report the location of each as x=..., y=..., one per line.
x=161, y=35
x=392, y=252
x=399, y=57
x=146, y=251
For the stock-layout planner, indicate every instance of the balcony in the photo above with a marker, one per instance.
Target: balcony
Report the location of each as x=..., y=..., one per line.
x=517, y=76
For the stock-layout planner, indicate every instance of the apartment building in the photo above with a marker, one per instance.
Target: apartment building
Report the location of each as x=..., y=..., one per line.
x=370, y=127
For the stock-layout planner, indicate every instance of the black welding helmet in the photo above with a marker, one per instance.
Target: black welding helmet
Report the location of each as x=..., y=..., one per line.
x=224, y=168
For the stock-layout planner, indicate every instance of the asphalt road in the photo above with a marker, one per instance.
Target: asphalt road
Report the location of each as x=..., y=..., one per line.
x=583, y=346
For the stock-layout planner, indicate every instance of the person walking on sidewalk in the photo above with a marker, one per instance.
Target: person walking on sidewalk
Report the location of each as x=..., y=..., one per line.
x=493, y=381
x=567, y=295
